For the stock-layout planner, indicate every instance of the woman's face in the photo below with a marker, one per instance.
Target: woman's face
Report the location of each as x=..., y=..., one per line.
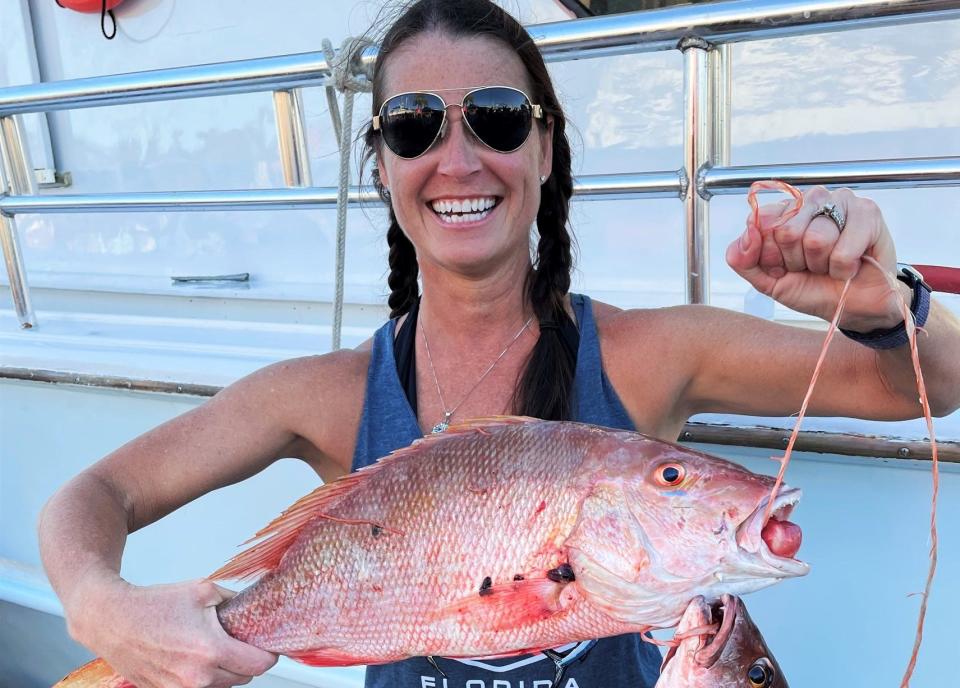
x=458, y=167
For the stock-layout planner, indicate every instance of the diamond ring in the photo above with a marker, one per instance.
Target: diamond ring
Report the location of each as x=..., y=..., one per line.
x=834, y=213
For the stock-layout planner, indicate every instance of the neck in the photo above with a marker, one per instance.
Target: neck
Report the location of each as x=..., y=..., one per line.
x=465, y=305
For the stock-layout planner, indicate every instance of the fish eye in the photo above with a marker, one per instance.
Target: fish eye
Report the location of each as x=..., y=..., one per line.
x=670, y=474
x=760, y=674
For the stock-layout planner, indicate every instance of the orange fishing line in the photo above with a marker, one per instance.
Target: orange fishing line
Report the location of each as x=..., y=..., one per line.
x=911, y=328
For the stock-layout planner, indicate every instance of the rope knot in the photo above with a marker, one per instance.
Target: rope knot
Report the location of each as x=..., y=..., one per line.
x=349, y=76
x=346, y=64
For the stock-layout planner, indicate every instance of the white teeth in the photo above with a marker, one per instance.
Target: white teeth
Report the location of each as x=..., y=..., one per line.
x=467, y=205
x=463, y=217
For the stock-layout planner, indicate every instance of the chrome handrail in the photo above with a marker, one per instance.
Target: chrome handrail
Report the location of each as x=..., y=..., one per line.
x=588, y=187
x=631, y=32
x=695, y=29
x=863, y=174
x=899, y=173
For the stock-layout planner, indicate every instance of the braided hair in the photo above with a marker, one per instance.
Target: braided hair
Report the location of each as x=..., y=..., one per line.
x=545, y=386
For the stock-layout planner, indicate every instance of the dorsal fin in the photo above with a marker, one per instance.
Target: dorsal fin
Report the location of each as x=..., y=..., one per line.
x=472, y=425
x=278, y=535
x=282, y=531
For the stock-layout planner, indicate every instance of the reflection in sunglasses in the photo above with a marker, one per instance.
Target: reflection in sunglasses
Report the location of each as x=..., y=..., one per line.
x=500, y=117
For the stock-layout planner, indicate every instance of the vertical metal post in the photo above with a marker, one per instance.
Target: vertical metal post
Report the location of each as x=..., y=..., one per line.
x=288, y=108
x=697, y=153
x=16, y=177
x=721, y=76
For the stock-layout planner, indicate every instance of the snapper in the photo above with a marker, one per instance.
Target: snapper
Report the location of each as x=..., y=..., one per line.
x=503, y=536
x=732, y=654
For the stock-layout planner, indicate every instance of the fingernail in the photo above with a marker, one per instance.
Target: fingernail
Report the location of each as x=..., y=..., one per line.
x=745, y=241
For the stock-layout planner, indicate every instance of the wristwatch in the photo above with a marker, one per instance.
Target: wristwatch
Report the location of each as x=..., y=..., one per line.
x=892, y=337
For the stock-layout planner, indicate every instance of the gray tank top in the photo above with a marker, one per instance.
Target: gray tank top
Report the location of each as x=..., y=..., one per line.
x=388, y=423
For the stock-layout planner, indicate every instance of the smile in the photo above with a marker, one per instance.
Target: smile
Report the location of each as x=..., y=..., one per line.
x=460, y=210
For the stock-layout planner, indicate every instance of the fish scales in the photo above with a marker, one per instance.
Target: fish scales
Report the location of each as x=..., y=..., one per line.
x=504, y=536
x=474, y=491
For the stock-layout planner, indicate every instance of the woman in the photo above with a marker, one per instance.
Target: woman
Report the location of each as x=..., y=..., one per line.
x=491, y=332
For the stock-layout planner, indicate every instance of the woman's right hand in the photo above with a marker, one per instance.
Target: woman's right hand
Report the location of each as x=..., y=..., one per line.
x=165, y=636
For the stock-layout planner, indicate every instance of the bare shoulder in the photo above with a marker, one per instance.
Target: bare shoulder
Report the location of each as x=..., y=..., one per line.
x=649, y=355
x=620, y=328
x=320, y=398
x=315, y=373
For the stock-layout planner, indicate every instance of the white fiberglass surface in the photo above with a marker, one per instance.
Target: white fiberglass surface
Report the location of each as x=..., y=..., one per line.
x=865, y=525
x=39, y=454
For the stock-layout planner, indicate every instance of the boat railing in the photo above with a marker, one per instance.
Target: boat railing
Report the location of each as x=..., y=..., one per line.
x=703, y=32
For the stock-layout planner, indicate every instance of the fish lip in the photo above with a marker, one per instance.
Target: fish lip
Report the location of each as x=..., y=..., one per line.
x=724, y=613
x=749, y=532
x=697, y=613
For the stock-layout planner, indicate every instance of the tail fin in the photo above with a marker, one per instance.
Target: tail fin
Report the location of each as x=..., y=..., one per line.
x=95, y=674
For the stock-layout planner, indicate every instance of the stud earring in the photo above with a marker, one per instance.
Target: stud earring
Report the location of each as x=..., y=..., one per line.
x=543, y=178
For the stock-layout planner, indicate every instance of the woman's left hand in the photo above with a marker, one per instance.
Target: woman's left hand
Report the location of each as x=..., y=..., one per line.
x=804, y=262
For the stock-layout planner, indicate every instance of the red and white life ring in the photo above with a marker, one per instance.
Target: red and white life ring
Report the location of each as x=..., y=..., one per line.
x=88, y=5
x=104, y=7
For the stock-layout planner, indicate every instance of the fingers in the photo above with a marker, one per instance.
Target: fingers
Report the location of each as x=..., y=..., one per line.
x=860, y=237
x=803, y=240
x=241, y=658
x=237, y=656
x=209, y=594
x=743, y=255
x=808, y=241
x=222, y=678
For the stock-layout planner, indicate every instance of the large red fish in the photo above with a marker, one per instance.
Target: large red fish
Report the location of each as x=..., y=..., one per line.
x=732, y=654
x=505, y=536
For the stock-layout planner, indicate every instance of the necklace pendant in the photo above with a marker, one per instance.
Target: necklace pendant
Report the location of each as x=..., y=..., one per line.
x=444, y=424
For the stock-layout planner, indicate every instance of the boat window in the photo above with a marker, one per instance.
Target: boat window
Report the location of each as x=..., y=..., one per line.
x=590, y=8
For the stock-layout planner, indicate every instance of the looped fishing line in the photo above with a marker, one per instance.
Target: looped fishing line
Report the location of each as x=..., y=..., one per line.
x=921, y=389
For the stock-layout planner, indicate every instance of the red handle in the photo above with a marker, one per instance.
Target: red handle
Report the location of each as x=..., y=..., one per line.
x=941, y=278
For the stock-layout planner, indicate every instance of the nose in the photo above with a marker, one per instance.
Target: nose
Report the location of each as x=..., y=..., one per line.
x=457, y=147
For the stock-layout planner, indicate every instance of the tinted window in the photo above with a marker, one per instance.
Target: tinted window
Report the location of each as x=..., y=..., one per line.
x=586, y=8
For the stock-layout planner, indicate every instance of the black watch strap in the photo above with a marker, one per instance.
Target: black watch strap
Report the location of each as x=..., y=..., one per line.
x=893, y=337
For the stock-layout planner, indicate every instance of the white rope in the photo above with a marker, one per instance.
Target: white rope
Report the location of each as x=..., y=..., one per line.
x=342, y=64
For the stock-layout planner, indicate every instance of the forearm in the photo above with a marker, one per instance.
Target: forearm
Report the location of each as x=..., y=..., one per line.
x=82, y=532
x=939, y=348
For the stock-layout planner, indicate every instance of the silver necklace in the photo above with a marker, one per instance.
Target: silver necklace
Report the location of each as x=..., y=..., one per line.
x=447, y=415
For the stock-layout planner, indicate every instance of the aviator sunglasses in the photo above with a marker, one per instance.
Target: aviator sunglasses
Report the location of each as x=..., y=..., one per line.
x=500, y=117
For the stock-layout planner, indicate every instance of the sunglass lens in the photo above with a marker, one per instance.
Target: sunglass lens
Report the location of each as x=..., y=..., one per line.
x=500, y=117
x=410, y=123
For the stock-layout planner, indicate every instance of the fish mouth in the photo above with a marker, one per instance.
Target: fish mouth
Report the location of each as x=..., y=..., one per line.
x=774, y=540
x=724, y=613
x=698, y=614
x=704, y=630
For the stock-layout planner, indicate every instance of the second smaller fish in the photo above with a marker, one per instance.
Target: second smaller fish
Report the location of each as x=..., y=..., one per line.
x=730, y=653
